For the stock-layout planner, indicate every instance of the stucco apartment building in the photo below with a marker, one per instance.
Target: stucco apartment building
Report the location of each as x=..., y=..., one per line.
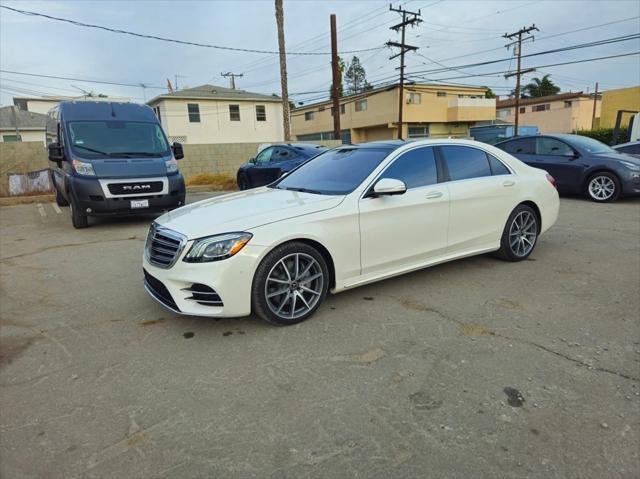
x=214, y=114
x=562, y=113
x=616, y=100
x=430, y=111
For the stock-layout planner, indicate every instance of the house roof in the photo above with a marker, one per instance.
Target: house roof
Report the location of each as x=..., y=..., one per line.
x=26, y=119
x=542, y=99
x=213, y=92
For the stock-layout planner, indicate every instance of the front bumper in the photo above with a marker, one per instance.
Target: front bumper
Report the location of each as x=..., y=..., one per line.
x=231, y=279
x=90, y=198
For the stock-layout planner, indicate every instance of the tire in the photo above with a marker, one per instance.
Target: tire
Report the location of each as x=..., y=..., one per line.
x=77, y=218
x=520, y=234
x=243, y=184
x=281, y=298
x=61, y=200
x=603, y=187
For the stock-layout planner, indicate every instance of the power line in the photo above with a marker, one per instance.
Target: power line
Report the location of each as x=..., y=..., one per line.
x=104, y=82
x=172, y=40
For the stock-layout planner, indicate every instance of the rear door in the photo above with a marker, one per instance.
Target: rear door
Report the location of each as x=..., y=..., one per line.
x=561, y=162
x=522, y=148
x=482, y=195
x=400, y=231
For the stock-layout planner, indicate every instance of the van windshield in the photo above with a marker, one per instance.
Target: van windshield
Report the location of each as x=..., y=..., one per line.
x=117, y=139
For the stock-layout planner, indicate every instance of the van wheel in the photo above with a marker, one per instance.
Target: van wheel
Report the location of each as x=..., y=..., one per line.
x=61, y=200
x=290, y=284
x=77, y=218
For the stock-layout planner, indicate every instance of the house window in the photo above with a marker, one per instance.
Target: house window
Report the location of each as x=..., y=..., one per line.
x=261, y=113
x=502, y=113
x=157, y=112
x=522, y=109
x=309, y=115
x=414, y=98
x=567, y=104
x=342, y=110
x=361, y=105
x=419, y=131
x=544, y=107
x=321, y=108
x=441, y=93
x=9, y=138
x=234, y=112
x=194, y=112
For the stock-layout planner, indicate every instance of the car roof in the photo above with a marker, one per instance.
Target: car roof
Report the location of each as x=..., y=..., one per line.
x=310, y=148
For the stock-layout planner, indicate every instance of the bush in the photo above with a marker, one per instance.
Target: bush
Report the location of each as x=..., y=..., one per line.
x=221, y=182
x=605, y=135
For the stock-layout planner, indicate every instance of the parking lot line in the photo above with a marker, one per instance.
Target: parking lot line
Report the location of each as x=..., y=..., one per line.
x=41, y=210
x=56, y=208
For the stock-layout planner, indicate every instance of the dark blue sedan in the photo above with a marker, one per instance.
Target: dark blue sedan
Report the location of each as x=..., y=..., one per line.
x=580, y=165
x=273, y=161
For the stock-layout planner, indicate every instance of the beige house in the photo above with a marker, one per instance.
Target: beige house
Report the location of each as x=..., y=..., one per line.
x=562, y=113
x=436, y=111
x=20, y=125
x=43, y=104
x=213, y=114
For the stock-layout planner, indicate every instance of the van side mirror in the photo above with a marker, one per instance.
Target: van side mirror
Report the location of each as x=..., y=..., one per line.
x=56, y=152
x=178, y=151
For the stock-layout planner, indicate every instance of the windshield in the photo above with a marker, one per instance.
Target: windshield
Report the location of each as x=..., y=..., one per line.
x=335, y=172
x=591, y=145
x=117, y=139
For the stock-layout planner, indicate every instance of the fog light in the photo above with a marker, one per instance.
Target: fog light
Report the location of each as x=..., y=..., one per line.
x=88, y=210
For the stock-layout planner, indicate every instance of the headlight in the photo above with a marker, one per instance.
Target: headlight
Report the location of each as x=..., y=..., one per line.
x=216, y=248
x=172, y=165
x=630, y=165
x=83, y=168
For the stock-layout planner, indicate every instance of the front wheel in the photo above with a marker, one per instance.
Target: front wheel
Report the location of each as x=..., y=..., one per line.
x=290, y=284
x=243, y=184
x=77, y=218
x=520, y=234
x=603, y=187
x=61, y=200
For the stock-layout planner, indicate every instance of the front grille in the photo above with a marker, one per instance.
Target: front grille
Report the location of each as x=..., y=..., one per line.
x=135, y=188
x=159, y=291
x=203, y=294
x=163, y=246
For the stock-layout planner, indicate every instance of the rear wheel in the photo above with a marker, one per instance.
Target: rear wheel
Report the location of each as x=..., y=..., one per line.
x=603, y=187
x=520, y=234
x=61, y=200
x=290, y=284
x=77, y=218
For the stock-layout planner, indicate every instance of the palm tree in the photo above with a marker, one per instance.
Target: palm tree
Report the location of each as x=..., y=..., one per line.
x=540, y=87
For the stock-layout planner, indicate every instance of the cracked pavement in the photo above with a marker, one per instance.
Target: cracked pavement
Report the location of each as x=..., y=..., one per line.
x=476, y=368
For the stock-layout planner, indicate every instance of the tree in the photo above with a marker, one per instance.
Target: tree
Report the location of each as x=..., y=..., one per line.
x=341, y=68
x=356, y=77
x=540, y=87
x=489, y=93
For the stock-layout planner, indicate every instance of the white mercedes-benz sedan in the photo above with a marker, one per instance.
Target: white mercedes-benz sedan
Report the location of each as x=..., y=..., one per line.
x=350, y=216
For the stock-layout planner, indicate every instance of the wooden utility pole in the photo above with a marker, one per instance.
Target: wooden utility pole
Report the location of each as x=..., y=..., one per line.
x=412, y=19
x=336, y=75
x=283, y=71
x=595, y=102
x=232, y=78
x=519, y=72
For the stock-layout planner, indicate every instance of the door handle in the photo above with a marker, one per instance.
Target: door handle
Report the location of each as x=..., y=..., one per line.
x=433, y=195
x=508, y=183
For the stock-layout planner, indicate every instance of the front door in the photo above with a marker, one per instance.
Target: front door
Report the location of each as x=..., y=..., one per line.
x=400, y=231
x=560, y=161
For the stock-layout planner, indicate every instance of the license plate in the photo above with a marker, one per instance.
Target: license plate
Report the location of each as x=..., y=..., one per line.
x=139, y=204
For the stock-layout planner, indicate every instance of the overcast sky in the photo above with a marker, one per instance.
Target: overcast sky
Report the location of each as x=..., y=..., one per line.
x=453, y=32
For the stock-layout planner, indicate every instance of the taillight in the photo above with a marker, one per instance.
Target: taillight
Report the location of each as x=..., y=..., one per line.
x=552, y=180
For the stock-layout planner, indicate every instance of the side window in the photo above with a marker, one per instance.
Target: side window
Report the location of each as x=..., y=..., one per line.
x=497, y=167
x=551, y=146
x=525, y=146
x=264, y=156
x=282, y=154
x=464, y=162
x=415, y=168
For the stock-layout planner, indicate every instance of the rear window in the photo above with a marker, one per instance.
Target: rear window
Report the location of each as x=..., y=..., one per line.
x=522, y=146
x=464, y=162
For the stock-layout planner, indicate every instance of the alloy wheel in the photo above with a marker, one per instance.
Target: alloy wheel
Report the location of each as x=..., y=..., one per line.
x=602, y=188
x=294, y=285
x=523, y=233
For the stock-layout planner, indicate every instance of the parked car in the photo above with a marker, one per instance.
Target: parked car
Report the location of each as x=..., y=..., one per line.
x=630, y=148
x=112, y=159
x=350, y=216
x=580, y=165
x=273, y=161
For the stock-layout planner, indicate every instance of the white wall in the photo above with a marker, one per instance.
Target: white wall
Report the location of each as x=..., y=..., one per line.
x=215, y=125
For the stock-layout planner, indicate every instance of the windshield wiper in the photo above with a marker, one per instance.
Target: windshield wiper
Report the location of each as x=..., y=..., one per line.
x=93, y=150
x=304, y=190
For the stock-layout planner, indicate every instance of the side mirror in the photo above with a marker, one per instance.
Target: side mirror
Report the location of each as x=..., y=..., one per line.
x=252, y=160
x=56, y=152
x=389, y=186
x=178, y=151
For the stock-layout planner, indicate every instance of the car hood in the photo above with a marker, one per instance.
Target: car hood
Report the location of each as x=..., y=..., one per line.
x=244, y=210
x=620, y=157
